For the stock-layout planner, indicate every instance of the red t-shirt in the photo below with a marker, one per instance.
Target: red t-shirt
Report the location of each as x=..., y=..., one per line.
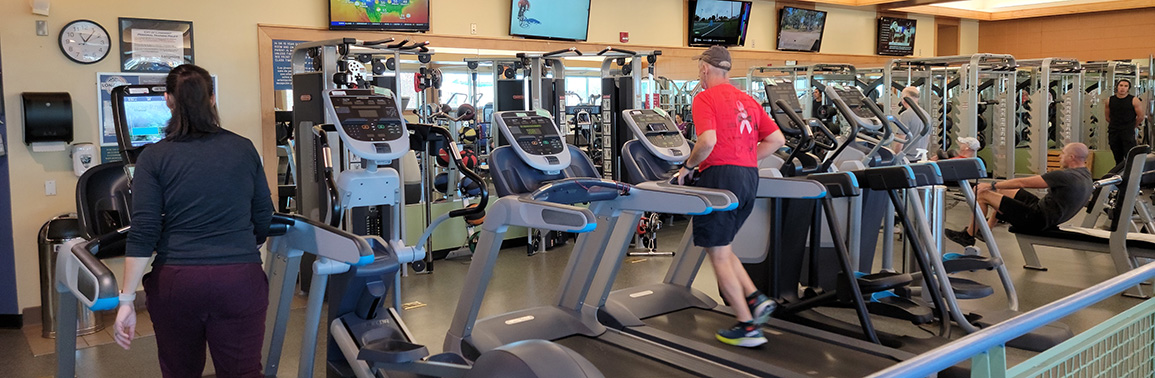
x=739, y=122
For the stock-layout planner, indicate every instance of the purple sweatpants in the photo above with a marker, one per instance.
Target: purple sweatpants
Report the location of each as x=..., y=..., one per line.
x=222, y=305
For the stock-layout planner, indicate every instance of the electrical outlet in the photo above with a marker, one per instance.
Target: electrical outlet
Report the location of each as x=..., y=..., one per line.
x=50, y=188
x=41, y=27
x=473, y=28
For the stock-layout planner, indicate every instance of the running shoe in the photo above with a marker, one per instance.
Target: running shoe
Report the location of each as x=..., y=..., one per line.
x=742, y=334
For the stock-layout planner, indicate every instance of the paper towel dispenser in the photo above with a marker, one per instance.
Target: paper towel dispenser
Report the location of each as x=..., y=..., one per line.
x=47, y=117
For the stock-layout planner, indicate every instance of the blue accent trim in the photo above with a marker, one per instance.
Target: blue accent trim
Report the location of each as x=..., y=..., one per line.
x=982, y=164
x=731, y=207
x=104, y=304
x=859, y=274
x=853, y=179
x=817, y=196
x=587, y=228
x=951, y=256
x=936, y=168
x=875, y=297
x=909, y=171
x=364, y=260
x=708, y=210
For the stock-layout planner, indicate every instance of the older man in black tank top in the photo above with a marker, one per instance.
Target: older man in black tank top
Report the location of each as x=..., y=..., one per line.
x=1124, y=114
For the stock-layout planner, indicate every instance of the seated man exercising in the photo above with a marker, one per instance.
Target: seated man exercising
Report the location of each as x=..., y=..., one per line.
x=1068, y=190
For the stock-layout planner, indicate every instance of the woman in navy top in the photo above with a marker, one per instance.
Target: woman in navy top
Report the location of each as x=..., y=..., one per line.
x=201, y=203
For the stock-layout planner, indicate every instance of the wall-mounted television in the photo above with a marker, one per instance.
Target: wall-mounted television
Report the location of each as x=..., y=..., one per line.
x=550, y=19
x=718, y=22
x=895, y=36
x=800, y=29
x=392, y=15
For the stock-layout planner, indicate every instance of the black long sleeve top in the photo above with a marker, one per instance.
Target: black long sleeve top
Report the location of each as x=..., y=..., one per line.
x=203, y=201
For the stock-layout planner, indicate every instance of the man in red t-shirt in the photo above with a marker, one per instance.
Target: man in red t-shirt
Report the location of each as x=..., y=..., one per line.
x=734, y=133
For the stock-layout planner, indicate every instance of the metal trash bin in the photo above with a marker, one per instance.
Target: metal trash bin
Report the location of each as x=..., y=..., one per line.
x=52, y=235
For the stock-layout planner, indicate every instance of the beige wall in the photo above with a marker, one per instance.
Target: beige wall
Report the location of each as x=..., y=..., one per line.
x=968, y=41
x=1089, y=36
x=225, y=37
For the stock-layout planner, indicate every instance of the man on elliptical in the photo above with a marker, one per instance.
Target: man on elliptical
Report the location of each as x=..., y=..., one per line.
x=734, y=133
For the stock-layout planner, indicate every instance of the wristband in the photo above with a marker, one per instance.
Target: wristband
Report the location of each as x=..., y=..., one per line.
x=127, y=297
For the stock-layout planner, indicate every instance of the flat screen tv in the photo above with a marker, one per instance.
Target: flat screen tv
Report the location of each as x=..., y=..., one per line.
x=718, y=22
x=392, y=15
x=800, y=29
x=895, y=36
x=550, y=19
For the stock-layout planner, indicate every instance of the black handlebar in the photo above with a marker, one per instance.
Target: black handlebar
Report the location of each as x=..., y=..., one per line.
x=609, y=49
x=562, y=51
x=921, y=115
x=807, y=140
x=378, y=42
x=456, y=156
x=335, y=212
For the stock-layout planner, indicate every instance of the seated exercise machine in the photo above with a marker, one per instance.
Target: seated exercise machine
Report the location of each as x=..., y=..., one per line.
x=537, y=169
x=1124, y=245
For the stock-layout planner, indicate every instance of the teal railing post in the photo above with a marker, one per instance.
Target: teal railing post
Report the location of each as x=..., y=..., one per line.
x=990, y=364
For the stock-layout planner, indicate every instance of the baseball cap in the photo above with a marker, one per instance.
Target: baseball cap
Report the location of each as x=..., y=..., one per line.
x=716, y=56
x=970, y=142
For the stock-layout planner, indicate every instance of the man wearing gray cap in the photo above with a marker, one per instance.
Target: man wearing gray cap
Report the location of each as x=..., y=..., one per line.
x=734, y=133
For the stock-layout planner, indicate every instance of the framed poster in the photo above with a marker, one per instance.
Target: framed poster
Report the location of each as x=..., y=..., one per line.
x=154, y=45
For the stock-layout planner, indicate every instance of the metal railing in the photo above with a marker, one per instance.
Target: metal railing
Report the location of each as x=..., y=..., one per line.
x=985, y=348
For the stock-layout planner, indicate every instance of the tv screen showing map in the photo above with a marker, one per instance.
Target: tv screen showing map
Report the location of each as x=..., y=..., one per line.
x=895, y=36
x=800, y=29
x=399, y=15
x=719, y=22
x=552, y=19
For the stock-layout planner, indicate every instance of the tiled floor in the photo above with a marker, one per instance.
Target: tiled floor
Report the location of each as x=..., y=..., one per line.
x=521, y=281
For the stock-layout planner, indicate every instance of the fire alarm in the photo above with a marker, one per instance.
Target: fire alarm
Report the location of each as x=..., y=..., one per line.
x=624, y=37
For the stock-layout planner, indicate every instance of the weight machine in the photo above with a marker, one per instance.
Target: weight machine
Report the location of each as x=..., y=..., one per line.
x=1052, y=109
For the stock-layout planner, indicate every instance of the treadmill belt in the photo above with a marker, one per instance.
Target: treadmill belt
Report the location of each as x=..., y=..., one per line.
x=786, y=350
x=614, y=361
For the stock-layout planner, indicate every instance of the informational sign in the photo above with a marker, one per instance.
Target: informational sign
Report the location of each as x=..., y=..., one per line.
x=157, y=45
x=283, y=63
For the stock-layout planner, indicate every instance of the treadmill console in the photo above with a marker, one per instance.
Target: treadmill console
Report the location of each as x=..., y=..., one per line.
x=538, y=141
x=856, y=102
x=658, y=133
x=370, y=123
x=782, y=89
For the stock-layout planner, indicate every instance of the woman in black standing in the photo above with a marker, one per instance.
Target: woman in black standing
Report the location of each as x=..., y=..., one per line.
x=202, y=204
x=1124, y=114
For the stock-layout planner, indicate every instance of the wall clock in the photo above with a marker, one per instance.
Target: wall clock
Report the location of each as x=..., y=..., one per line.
x=84, y=41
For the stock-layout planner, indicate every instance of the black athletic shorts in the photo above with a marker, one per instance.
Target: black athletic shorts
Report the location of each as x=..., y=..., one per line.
x=1023, y=212
x=718, y=228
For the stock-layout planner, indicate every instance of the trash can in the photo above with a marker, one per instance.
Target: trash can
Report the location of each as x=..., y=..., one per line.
x=52, y=235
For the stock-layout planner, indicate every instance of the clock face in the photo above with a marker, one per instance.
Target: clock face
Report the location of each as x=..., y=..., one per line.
x=84, y=41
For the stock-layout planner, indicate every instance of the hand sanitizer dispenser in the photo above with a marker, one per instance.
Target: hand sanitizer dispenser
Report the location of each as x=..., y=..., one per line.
x=83, y=157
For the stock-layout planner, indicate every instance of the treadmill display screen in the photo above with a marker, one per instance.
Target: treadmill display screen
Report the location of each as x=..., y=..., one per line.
x=660, y=131
x=146, y=118
x=854, y=100
x=536, y=135
x=782, y=91
x=369, y=119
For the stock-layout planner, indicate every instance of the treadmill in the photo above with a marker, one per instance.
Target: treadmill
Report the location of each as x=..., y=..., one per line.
x=673, y=314
x=538, y=169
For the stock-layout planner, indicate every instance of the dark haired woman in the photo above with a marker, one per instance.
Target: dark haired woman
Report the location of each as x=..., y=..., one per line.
x=201, y=202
